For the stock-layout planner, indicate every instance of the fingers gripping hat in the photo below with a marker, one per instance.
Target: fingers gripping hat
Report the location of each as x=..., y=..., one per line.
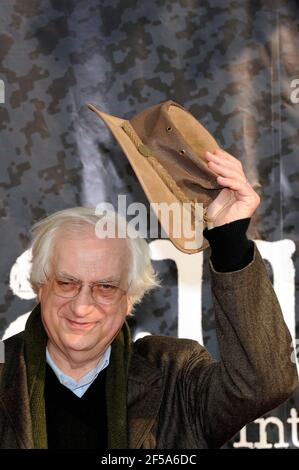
x=166, y=147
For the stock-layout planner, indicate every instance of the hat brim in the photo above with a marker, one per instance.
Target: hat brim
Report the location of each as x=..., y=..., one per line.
x=154, y=187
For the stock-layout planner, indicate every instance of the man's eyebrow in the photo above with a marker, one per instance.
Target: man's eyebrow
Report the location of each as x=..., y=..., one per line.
x=109, y=280
x=67, y=276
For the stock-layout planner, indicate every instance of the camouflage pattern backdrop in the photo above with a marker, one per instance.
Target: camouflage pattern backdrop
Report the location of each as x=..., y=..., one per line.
x=233, y=63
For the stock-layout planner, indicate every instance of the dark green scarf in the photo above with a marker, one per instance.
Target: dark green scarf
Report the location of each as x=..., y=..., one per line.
x=116, y=383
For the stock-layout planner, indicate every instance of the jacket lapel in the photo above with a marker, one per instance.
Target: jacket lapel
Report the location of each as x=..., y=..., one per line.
x=144, y=400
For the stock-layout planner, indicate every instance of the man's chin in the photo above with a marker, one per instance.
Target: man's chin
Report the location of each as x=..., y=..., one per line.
x=78, y=340
x=78, y=343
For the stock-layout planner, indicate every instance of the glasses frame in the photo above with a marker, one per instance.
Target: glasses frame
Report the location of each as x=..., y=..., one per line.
x=81, y=284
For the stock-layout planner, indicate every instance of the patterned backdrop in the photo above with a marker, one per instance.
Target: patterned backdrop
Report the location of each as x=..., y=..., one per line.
x=233, y=64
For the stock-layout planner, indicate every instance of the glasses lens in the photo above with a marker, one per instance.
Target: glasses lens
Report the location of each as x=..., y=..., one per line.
x=106, y=293
x=66, y=289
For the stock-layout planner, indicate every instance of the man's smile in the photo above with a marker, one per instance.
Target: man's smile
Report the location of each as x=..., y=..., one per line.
x=80, y=325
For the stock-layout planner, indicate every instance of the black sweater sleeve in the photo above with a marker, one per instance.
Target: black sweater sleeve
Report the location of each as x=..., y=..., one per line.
x=230, y=248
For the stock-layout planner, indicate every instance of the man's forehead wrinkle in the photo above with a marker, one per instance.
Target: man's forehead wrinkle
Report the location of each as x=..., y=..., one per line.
x=93, y=269
x=110, y=244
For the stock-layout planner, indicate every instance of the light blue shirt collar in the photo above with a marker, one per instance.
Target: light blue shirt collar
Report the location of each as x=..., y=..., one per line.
x=79, y=387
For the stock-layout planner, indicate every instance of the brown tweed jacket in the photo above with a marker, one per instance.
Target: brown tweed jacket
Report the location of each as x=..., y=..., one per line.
x=178, y=395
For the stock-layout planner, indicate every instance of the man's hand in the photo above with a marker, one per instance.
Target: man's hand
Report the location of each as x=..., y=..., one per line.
x=240, y=200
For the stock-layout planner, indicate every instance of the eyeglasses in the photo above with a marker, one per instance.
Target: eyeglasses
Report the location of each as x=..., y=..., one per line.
x=101, y=292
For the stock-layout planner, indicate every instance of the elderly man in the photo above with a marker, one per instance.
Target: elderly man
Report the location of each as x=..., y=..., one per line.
x=74, y=379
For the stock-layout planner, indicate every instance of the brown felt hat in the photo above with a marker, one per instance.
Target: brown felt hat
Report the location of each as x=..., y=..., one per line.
x=166, y=147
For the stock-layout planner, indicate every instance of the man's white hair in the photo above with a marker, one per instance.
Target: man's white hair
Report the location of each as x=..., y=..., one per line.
x=142, y=277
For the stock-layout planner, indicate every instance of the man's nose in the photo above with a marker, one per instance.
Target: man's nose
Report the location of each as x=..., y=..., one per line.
x=83, y=303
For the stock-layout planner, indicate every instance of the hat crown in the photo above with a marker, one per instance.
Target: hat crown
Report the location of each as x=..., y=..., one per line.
x=179, y=142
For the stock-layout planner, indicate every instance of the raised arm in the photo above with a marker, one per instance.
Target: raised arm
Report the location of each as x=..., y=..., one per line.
x=255, y=372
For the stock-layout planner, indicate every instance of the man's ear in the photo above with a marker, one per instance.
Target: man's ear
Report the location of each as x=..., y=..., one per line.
x=129, y=306
x=39, y=293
